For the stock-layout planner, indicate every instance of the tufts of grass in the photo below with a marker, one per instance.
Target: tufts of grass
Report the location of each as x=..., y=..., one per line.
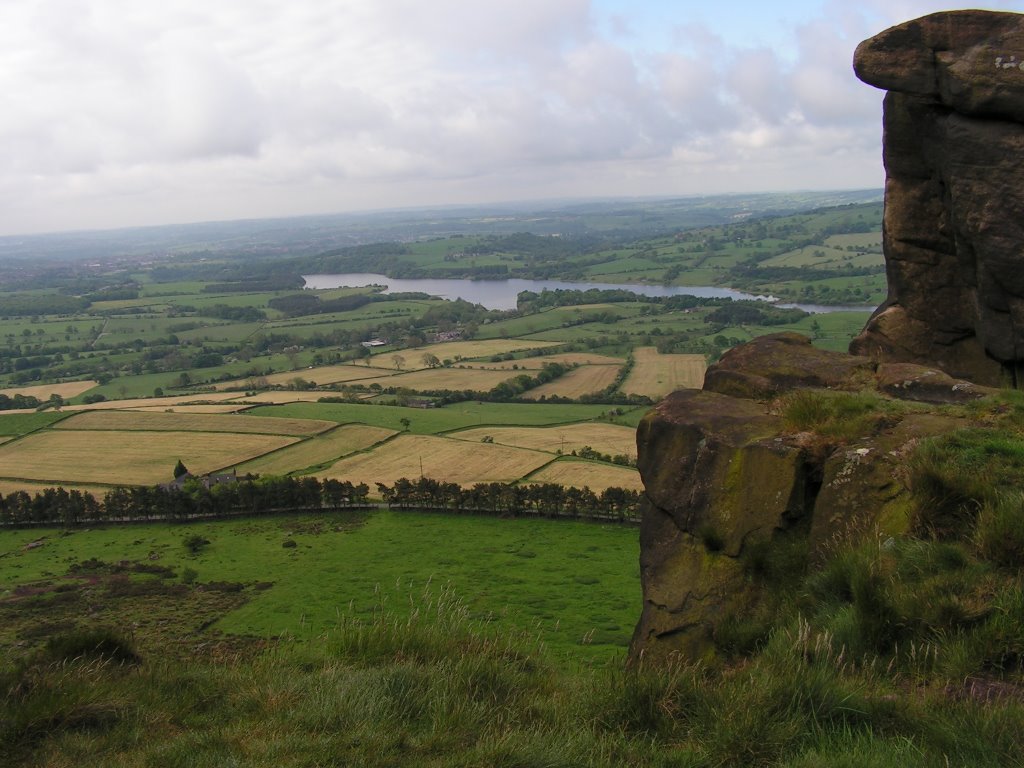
x=954, y=476
x=839, y=415
x=438, y=627
x=91, y=644
x=647, y=701
x=1000, y=530
x=69, y=687
x=476, y=699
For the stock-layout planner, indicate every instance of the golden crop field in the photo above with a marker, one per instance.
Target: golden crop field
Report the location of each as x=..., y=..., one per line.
x=566, y=358
x=129, y=458
x=206, y=398
x=455, y=461
x=590, y=474
x=193, y=422
x=444, y=378
x=67, y=389
x=278, y=397
x=317, y=450
x=655, y=375
x=584, y=380
x=449, y=350
x=10, y=486
x=611, y=439
x=327, y=374
x=214, y=408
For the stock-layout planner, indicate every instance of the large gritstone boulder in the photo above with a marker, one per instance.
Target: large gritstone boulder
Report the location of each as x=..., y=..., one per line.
x=954, y=160
x=726, y=482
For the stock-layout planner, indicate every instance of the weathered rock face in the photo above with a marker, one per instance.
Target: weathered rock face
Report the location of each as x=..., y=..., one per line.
x=953, y=233
x=723, y=480
x=715, y=476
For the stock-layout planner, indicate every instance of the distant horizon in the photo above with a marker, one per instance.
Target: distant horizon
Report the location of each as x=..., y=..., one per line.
x=554, y=203
x=138, y=114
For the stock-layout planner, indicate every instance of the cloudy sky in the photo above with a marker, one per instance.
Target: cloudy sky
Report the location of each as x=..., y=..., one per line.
x=134, y=112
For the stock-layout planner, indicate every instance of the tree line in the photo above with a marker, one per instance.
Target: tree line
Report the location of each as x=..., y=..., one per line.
x=256, y=495
x=543, y=499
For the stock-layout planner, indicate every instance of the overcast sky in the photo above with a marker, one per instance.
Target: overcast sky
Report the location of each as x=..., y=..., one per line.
x=132, y=112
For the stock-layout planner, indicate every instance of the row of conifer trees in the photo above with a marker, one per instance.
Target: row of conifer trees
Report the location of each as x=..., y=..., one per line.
x=253, y=495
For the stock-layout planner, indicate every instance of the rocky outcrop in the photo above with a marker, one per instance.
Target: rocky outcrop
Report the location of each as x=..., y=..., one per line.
x=781, y=362
x=952, y=232
x=725, y=482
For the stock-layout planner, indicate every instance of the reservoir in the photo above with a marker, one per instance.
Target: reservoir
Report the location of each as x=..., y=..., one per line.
x=501, y=294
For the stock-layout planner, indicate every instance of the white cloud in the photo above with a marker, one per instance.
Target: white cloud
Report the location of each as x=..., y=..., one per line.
x=122, y=112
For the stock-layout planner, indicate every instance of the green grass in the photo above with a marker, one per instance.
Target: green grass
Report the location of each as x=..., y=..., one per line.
x=142, y=385
x=574, y=584
x=955, y=475
x=431, y=421
x=839, y=415
x=438, y=690
x=15, y=424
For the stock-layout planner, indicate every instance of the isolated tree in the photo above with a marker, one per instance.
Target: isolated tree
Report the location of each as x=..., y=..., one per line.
x=180, y=469
x=399, y=362
x=404, y=421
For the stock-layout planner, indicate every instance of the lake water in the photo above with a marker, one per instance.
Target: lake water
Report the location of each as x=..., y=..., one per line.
x=501, y=294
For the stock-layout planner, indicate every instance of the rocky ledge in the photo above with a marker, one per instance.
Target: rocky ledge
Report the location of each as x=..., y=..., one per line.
x=725, y=479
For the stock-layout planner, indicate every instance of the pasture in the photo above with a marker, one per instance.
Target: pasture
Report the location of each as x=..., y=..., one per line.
x=574, y=584
x=62, y=456
x=429, y=421
x=656, y=375
x=23, y=422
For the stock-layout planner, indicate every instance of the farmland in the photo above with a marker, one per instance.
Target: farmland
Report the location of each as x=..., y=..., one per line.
x=327, y=374
x=454, y=461
x=584, y=380
x=588, y=474
x=110, y=457
x=339, y=440
x=319, y=450
x=223, y=377
x=66, y=389
x=514, y=571
x=606, y=438
x=655, y=374
x=443, y=378
x=193, y=422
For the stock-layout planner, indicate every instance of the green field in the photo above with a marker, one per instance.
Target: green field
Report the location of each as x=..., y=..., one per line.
x=576, y=585
x=23, y=423
x=431, y=421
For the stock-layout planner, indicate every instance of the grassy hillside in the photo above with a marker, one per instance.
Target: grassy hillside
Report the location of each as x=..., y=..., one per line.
x=899, y=651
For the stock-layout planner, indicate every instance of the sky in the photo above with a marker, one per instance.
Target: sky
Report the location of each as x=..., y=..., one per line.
x=136, y=112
